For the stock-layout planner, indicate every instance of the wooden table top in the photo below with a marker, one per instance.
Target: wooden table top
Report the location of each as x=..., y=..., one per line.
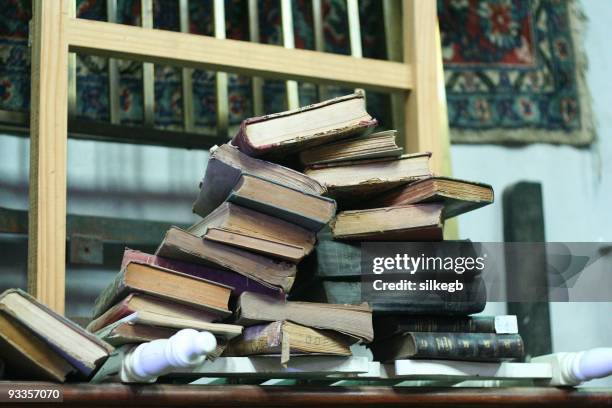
x=162, y=395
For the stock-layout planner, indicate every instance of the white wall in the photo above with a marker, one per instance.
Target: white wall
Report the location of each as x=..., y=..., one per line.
x=577, y=189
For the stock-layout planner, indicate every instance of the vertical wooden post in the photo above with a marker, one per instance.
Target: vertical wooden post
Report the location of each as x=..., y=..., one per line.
x=422, y=104
x=48, y=143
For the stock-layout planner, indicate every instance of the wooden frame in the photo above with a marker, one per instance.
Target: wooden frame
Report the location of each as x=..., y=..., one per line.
x=56, y=32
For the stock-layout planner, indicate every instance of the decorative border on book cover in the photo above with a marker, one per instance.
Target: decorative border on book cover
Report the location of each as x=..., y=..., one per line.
x=515, y=71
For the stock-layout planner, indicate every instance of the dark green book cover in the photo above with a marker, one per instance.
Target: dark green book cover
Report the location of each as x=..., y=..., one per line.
x=449, y=346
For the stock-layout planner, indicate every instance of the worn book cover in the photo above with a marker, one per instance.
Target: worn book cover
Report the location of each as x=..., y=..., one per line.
x=279, y=134
x=472, y=299
x=254, y=231
x=306, y=210
x=181, y=245
x=387, y=326
x=80, y=348
x=240, y=283
x=450, y=346
x=287, y=338
x=225, y=165
x=352, y=320
x=458, y=196
x=165, y=283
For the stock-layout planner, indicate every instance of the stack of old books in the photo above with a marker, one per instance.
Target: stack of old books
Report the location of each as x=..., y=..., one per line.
x=239, y=263
x=384, y=195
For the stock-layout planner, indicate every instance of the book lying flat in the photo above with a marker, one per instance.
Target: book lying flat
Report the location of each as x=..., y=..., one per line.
x=140, y=302
x=181, y=245
x=239, y=282
x=309, y=211
x=335, y=259
x=291, y=131
x=450, y=346
x=472, y=299
x=80, y=348
x=387, y=326
x=458, y=196
x=417, y=222
x=171, y=285
x=155, y=319
x=252, y=230
x=225, y=165
x=375, y=145
x=287, y=338
x=353, y=320
x=357, y=180
x=123, y=332
x=26, y=357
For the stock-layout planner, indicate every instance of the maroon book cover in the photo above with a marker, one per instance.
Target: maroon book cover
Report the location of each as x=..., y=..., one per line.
x=239, y=282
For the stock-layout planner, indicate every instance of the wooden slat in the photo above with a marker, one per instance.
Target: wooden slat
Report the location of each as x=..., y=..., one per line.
x=256, y=82
x=72, y=77
x=48, y=135
x=422, y=105
x=392, y=14
x=293, y=97
x=148, y=70
x=113, y=71
x=352, y=9
x=123, y=395
x=187, y=73
x=319, y=39
x=221, y=100
x=243, y=57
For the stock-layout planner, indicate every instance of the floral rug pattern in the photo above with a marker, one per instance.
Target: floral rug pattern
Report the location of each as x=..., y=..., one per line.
x=512, y=69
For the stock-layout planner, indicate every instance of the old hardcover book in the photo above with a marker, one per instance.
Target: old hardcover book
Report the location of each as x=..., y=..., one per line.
x=416, y=222
x=287, y=338
x=225, y=165
x=80, y=348
x=450, y=346
x=171, y=322
x=140, y=302
x=458, y=196
x=309, y=211
x=373, y=146
x=353, y=181
x=165, y=283
x=121, y=332
x=387, y=326
x=180, y=244
x=239, y=282
x=472, y=299
x=353, y=320
x=26, y=357
x=254, y=231
x=341, y=260
x=291, y=131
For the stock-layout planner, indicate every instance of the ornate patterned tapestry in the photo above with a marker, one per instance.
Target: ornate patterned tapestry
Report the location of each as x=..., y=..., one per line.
x=513, y=71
